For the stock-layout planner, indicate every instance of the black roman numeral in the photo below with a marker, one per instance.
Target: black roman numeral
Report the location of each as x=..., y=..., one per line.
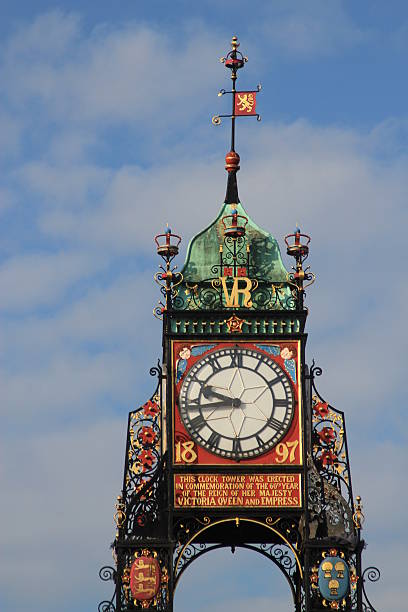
x=281, y=402
x=272, y=422
x=215, y=364
x=214, y=440
x=279, y=379
x=236, y=446
x=198, y=422
x=261, y=360
x=236, y=359
x=259, y=441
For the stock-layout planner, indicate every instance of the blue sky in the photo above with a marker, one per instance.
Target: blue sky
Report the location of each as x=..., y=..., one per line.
x=105, y=135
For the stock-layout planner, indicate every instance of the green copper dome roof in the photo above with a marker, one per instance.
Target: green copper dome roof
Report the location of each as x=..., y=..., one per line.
x=203, y=251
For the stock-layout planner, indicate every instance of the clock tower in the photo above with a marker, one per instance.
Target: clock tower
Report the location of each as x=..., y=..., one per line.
x=236, y=447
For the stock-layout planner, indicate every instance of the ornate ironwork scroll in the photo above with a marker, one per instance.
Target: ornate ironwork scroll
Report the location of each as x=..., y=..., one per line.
x=330, y=491
x=143, y=486
x=372, y=574
x=106, y=574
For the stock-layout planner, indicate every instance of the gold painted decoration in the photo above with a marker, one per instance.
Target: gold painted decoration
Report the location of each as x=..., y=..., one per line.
x=120, y=514
x=245, y=103
x=358, y=516
x=235, y=324
x=237, y=295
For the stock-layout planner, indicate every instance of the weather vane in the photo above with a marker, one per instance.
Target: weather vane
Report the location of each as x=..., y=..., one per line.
x=243, y=102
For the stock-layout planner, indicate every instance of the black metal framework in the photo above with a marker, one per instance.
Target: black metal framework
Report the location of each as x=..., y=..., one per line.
x=318, y=546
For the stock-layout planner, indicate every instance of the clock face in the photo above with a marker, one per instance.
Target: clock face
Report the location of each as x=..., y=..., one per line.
x=236, y=402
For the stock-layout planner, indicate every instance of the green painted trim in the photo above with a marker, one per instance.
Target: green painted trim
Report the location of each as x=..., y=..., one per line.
x=262, y=325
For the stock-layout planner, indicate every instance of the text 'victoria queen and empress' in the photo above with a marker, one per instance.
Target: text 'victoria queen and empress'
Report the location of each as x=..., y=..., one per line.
x=237, y=490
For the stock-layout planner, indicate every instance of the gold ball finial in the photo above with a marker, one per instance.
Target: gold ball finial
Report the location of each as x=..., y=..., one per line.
x=234, y=43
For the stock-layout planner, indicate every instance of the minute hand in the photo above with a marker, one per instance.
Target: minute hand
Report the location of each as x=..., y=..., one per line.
x=217, y=404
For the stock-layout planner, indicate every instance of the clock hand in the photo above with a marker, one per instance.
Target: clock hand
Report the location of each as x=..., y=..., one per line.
x=208, y=392
x=216, y=404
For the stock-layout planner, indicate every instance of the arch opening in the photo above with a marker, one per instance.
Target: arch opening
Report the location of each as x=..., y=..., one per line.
x=223, y=582
x=275, y=547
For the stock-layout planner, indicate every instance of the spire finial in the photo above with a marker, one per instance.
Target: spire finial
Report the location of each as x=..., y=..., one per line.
x=243, y=105
x=234, y=43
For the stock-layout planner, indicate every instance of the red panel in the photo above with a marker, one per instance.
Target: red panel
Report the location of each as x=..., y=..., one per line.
x=287, y=452
x=237, y=490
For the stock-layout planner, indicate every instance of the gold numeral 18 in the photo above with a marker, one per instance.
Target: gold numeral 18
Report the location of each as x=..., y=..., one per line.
x=185, y=452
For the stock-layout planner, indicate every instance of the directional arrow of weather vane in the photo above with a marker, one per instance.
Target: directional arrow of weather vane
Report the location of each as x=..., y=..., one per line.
x=243, y=102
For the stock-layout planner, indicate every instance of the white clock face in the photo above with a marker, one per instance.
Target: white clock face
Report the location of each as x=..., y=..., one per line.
x=236, y=402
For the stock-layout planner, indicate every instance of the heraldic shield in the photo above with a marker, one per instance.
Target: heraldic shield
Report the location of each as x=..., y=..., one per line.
x=334, y=578
x=144, y=578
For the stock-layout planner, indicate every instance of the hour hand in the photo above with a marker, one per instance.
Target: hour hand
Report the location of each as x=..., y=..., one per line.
x=231, y=401
x=208, y=392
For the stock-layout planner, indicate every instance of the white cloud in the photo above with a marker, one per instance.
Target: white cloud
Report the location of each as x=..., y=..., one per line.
x=104, y=316
x=73, y=146
x=137, y=205
x=70, y=184
x=49, y=35
x=72, y=386
x=326, y=179
x=116, y=74
x=315, y=28
x=32, y=280
x=389, y=138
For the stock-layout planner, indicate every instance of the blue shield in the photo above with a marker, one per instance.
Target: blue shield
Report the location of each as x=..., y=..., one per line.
x=334, y=578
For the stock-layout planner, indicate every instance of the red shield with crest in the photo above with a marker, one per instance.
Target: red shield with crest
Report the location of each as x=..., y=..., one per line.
x=144, y=578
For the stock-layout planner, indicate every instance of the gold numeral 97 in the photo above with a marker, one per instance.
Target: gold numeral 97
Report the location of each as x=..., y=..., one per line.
x=285, y=450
